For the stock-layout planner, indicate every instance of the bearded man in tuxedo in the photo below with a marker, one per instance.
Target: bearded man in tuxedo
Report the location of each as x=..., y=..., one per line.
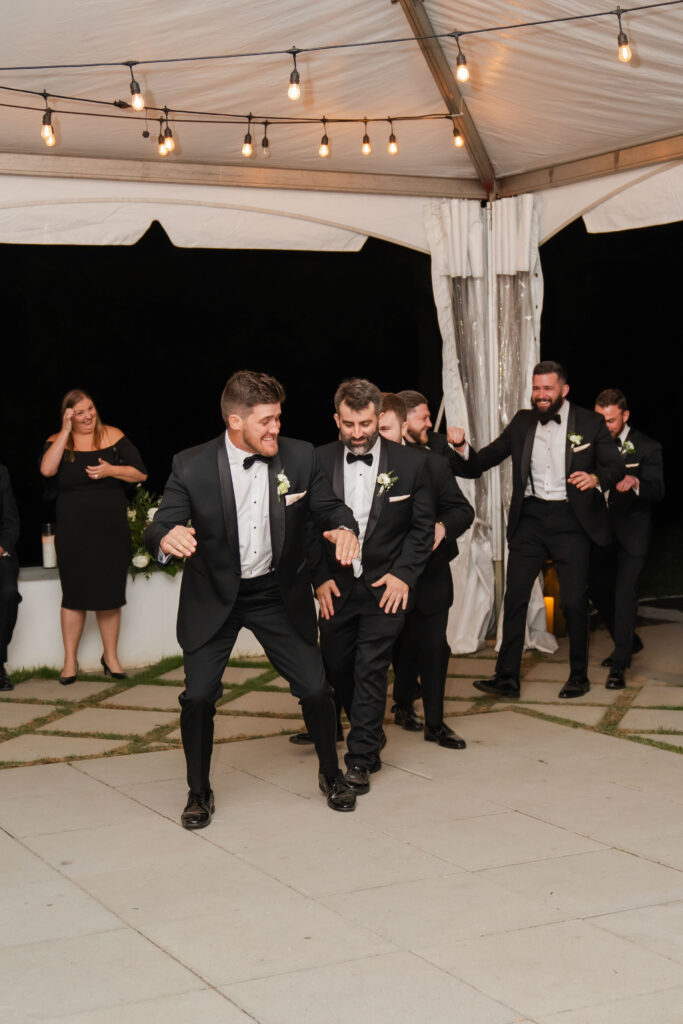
x=363, y=606
x=615, y=569
x=248, y=494
x=563, y=460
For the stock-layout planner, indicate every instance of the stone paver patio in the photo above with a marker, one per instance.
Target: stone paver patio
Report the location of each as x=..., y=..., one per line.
x=535, y=877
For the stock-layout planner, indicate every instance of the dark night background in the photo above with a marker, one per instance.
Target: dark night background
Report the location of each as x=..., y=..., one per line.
x=153, y=332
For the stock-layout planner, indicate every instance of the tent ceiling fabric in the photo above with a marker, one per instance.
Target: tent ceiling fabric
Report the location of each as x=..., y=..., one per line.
x=538, y=96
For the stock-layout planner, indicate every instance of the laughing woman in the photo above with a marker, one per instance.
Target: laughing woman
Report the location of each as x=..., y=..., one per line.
x=93, y=463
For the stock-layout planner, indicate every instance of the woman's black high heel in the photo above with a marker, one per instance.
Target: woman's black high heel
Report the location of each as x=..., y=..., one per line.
x=108, y=671
x=68, y=680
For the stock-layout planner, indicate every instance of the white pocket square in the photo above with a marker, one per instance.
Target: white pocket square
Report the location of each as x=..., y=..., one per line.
x=398, y=497
x=291, y=498
x=632, y=465
x=581, y=447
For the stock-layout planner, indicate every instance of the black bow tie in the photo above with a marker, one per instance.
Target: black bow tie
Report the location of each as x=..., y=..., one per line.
x=550, y=419
x=367, y=459
x=251, y=459
x=617, y=441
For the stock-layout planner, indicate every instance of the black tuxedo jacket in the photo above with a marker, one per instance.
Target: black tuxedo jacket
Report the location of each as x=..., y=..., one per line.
x=400, y=531
x=469, y=468
x=200, y=489
x=434, y=590
x=9, y=516
x=597, y=453
x=631, y=513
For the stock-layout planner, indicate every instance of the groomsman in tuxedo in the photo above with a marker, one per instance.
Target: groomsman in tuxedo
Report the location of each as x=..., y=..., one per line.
x=248, y=494
x=562, y=459
x=615, y=569
x=418, y=432
x=9, y=571
x=421, y=649
x=363, y=606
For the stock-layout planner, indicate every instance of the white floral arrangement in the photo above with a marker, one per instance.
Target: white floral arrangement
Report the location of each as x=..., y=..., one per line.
x=627, y=448
x=283, y=484
x=575, y=440
x=386, y=481
x=141, y=511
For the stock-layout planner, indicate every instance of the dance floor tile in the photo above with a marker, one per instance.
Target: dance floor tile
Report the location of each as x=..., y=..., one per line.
x=32, y=747
x=663, y=737
x=52, y=689
x=145, y=696
x=12, y=716
x=130, y=769
x=279, y=683
x=396, y=988
x=556, y=967
x=654, y=695
x=206, y=1007
x=232, y=676
x=479, y=668
x=457, y=707
x=260, y=701
x=547, y=671
x=54, y=909
x=653, y=1006
x=539, y=691
x=107, y=720
x=651, y=719
x=232, y=727
x=462, y=686
x=659, y=928
x=566, y=709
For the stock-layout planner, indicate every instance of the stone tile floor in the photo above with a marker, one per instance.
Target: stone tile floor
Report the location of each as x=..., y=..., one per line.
x=535, y=877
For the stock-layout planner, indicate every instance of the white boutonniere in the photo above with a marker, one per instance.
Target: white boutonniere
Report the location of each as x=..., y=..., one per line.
x=283, y=484
x=386, y=481
x=627, y=448
x=575, y=440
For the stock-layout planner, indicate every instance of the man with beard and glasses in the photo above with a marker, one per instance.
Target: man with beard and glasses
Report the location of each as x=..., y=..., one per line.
x=249, y=494
x=363, y=606
x=615, y=570
x=562, y=458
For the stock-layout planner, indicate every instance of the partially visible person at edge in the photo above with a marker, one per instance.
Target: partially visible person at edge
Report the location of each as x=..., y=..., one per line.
x=9, y=570
x=249, y=494
x=92, y=463
x=562, y=459
x=421, y=650
x=615, y=569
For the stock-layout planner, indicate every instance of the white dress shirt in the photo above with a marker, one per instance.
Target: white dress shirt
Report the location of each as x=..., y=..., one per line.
x=547, y=470
x=252, y=503
x=359, y=490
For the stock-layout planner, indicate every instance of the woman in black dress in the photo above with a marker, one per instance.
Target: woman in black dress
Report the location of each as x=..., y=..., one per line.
x=92, y=463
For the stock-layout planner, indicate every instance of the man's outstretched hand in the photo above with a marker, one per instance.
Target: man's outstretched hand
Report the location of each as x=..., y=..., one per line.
x=395, y=595
x=347, y=546
x=179, y=542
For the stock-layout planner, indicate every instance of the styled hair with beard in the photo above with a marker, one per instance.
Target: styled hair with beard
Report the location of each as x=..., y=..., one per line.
x=550, y=366
x=358, y=393
x=612, y=396
x=394, y=403
x=247, y=388
x=412, y=399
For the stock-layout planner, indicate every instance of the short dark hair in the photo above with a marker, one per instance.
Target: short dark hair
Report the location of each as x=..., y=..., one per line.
x=247, y=388
x=394, y=403
x=550, y=366
x=358, y=393
x=412, y=399
x=612, y=396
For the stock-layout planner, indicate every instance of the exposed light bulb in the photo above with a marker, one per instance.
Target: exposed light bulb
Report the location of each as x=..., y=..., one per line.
x=137, y=101
x=458, y=140
x=624, y=49
x=169, y=141
x=247, y=148
x=462, y=72
x=50, y=140
x=366, y=148
x=324, y=147
x=162, y=148
x=392, y=147
x=294, y=91
x=265, y=148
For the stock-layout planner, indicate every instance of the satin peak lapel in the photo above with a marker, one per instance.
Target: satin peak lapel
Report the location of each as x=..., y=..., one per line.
x=377, y=500
x=228, y=499
x=276, y=508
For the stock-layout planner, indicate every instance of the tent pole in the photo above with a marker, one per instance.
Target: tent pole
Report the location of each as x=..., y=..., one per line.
x=495, y=496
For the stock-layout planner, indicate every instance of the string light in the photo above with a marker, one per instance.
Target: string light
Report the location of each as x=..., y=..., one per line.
x=162, y=148
x=47, y=131
x=294, y=90
x=462, y=72
x=169, y=141
x=622, y=41
x=137, y=102
x=392, y=146
x=366, y=148
x=265, y=144
x=247, y=148
x=458, y=140
x=324, y=147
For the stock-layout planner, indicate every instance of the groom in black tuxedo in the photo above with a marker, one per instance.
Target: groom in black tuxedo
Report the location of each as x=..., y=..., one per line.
x=248, y=494
x=615, y=569
x=563, y=460
x=362, y=606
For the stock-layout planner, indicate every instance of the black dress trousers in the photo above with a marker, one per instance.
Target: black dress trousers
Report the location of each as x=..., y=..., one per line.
x=422, y=650
x=9, y=602
x=259, y=607
x=546, y=529
x=613, y=589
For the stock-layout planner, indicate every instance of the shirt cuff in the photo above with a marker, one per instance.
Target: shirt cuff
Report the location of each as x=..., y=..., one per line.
x=163, y=559
x=465, y=453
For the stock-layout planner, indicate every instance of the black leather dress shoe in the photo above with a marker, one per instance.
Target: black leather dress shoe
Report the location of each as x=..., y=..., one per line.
x=404, y=715
x=198, y=810
x=358, y=779
x=5, y=681
x=615, y=679
x=637, y=648
x=304, y=739
x=445, y=737
x=499, y=686
x=575, y=688
x=340, y=796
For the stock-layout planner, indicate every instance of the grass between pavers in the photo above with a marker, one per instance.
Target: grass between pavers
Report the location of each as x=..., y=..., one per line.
x=158, y=738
